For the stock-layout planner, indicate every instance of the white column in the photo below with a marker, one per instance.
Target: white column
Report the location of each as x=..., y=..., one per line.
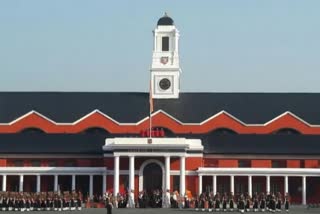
x=200, y=184
x=4, y=183
x=232, y=183
x=304, y=190
x=55, y=183
x=286, y=186
x=131, y=176
x=21, y=183
x=167, y=165
x=268, y=183
x=104, y=183
x=116, y=175
x=250, y=185
x=182, y=175
x=91, y=186
x=214, y=184
x=38, y=183
x=131, y=181
x=73, y=184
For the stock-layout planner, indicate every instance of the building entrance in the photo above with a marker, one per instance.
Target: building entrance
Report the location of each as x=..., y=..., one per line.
x=152, y=177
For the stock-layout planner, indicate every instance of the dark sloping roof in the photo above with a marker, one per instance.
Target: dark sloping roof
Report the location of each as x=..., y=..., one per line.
x=262, y=144
x=51, y=143
x=251, y=108
x=41, y=143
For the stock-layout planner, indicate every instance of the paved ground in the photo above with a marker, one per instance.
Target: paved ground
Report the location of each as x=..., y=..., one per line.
x=163, y=211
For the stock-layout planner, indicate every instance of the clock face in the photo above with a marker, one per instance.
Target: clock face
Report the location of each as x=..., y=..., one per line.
x=165, y=84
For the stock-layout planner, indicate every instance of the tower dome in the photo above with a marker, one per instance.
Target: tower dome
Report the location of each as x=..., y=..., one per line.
x=165, y=20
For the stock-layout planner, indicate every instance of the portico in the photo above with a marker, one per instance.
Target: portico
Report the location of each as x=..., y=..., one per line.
x=166, y=148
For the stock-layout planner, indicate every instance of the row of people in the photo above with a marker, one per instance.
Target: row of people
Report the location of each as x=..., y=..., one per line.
x=44, y=201
x=206, y=201
x=242, y=202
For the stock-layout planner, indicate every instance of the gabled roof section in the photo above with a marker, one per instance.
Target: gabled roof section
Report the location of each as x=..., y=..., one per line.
x=257, y=109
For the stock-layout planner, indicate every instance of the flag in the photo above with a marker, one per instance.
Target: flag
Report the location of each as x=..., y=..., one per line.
x=150, y=99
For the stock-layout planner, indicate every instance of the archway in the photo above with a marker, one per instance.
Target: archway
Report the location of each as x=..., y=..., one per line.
x=149, y=174
x=152, y=176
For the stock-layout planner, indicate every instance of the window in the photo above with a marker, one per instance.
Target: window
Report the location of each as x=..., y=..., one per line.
x=222, y=188
x=287, y=131
x=35, y=163
x=70, y=163
x=244, y=163
x=239, y=188
x=279, y=164
x=176, y=182
x=257, y=187
x=275, y=187
x=52, y=163
x=223, y=131
x=165, y=43
x=18, y=163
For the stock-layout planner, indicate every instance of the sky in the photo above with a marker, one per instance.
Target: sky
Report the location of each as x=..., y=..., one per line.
x=99, y=45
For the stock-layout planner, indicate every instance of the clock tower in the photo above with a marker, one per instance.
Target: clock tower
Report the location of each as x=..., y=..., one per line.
x=165, y=68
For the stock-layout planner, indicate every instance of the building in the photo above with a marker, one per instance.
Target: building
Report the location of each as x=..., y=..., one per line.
x=220, y=142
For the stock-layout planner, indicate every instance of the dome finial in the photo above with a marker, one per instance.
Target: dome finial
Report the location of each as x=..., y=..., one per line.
x=165, y=20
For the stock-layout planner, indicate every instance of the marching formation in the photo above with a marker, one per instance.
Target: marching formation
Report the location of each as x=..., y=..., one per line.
x=44, y=201
x=205, y=202
x=242, y=202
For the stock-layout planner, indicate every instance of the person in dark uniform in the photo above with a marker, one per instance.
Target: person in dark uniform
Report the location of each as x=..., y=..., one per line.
x=196, y=203
x=278, y=201
x=224, y=202
x=108, y=206
x=4, y=203
x=241, y=203
x=255, y=202
x=272, y=204
x=211, y=201
x=262, y=202
x=217, y=202
x=268, y=200
x=247, y=202
x=231, y=201
x=286, y=202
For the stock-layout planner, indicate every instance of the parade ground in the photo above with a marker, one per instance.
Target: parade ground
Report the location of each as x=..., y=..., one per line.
x=298, y=209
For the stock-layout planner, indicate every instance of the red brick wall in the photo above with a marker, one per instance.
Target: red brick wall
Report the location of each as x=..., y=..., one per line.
x=210, y=162
x=192, y=184
x=293, y=163
x=228, y=163
x=261, y=164
x=193, y=163
x=3, y=162
x=311, y=163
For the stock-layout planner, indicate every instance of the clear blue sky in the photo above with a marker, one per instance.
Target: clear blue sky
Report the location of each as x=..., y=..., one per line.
x=99, y=45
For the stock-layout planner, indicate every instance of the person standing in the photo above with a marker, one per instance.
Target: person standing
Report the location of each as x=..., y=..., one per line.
x=130, y=199
x=166, y=201
x=108, y=206
x=286, y=202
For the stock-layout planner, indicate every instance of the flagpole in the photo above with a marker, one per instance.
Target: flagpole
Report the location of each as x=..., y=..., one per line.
x=150, y=124
x=150, y=111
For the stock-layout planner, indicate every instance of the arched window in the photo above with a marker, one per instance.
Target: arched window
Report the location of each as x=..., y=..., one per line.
x=223, y=131
x=32, y=130
x=96, y=131
x=287, y=131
